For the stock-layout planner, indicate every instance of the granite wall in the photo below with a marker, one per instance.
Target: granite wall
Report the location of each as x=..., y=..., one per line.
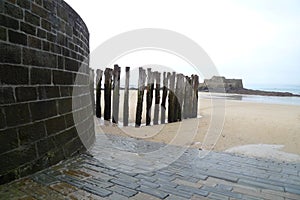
x=43, y=44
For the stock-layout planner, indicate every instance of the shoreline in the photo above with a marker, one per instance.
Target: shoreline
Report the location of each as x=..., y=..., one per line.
x=245, y=123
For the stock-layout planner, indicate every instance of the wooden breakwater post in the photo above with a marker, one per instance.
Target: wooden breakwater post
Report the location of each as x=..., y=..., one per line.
x=171, y=98
x=91, y=87
x=99, y=74
x=157, y=97
x=107, y=93
x=195, y=96
x=126, y=97
x=179, y=97
x=163, y=100
x=187, y=96
x=116, y=93
x=141, y=88
x=149, y=98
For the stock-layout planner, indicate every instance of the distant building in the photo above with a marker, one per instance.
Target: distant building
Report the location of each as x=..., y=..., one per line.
x=220, y=82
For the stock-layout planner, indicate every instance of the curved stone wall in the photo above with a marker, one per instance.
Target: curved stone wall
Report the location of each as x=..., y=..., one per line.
x=43, y=44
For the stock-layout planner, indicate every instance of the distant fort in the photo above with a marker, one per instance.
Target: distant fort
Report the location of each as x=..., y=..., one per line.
x=221, y=84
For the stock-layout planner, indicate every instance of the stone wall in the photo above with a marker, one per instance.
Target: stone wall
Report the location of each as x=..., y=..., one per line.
x=43, y=44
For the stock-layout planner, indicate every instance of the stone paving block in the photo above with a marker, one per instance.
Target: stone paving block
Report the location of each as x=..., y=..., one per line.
x=164, y=177
x=224, y=176
x=222, y=192
x=257, y=184
x=293, y=190
x=126, y=177
x=125, y=183
x=44, y=179
x=279, y=194
x=63, y=188
x=148, y=178
x=72, y=181
x=175, y=191
x=156, y=193
x=123, y=191
x=96, y=190
x=144, y=196
x=249, y=197
x=217, y=196
x=187, y=183
x=224, y=187
x=99, y=182
x=116, y=196
x=146, y=183
x=174, y=197
x=194, y=190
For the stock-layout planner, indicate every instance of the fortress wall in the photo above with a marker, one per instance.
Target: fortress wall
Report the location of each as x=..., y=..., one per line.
x=43, y=44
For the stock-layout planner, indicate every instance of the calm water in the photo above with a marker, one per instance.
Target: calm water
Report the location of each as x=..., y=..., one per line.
x=295, y=89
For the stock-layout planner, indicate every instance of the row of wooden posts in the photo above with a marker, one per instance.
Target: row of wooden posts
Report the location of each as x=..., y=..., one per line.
x=182, y=93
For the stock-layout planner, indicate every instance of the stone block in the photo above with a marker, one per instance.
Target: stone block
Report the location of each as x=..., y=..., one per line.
x=32, y=18
x=55, y=125
x=34, y=42
x=26, y=94
x=46, y=25
x=63, y=78
x=123, y=191
x=3, y=34
x=8, y=22
x=45, y=145
x=64, y=105
x=24, y=3
x=27, y=28
x=17, y=37
x=97, y=190
x=48, y=92
x=10, y=53
x=71, y=64
x=65, y=136
x=43, y=109
x=13, y=10
x=6, y=95
x=17, y=114
x=31, y=133
x=38, y=58
x=9, y=140
x=42, y=34
x=40, y=76
x=17, y=157
x=39, y=11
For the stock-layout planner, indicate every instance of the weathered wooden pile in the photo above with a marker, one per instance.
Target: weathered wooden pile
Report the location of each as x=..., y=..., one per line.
x=182, y=93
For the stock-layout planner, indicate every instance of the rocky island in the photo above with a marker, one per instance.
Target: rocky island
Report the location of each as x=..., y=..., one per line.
x=221, y=84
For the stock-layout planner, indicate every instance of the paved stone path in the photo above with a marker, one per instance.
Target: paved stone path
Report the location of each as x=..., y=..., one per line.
x=130, y=168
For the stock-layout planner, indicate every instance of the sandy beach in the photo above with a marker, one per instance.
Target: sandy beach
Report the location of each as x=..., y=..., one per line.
x=265, y=127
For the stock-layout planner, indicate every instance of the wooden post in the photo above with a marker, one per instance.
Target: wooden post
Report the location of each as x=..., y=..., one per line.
x=195, y=97
x=107, y=93
x=116, y=94
x=91, y=85
x=179, y=97
x=150, y=87
x=157, y=98
x=99, y=73
x=187, y=97
x=163, y=100
x=171, y=98
x=141, y=88
x=126, y=97
x=191, y=111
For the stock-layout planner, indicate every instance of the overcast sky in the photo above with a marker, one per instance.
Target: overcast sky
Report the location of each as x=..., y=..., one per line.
x=256, y=40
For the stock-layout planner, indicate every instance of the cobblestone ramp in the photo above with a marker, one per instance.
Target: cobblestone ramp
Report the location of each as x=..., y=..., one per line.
x=102, y=174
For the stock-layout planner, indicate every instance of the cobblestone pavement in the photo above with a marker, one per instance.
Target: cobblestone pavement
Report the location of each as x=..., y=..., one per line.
x=105, y=173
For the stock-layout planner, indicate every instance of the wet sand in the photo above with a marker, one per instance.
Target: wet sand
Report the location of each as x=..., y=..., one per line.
x=244, y=123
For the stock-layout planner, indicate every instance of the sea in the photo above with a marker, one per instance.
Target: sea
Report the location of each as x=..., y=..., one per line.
x=295, y=89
